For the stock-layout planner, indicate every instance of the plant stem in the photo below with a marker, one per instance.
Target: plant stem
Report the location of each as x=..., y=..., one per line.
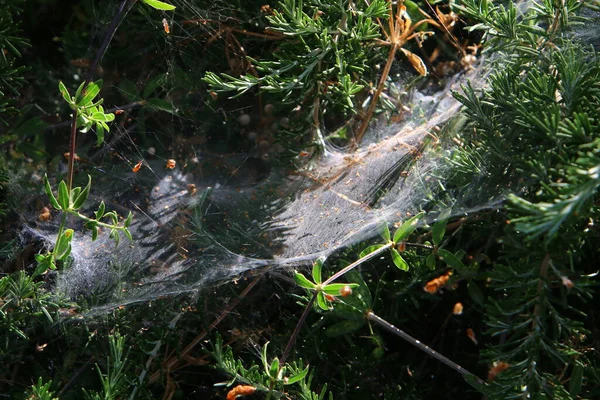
x=88, y=219
x=99, y=54
x=341, y=272
x=398, y=332
x=380, y=86
x=294, y=336
x=358, y=262
x=72, y=144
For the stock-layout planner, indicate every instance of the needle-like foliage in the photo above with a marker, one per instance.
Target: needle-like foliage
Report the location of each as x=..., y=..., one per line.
x=536, y=127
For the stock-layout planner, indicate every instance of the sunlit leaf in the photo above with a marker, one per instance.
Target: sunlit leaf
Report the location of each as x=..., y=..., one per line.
x=334, y=289
x=317, y=270
x=63, y=195
x=321, y=302
x=450, y=259
x=48, y=190
x=370, y=249
x=297, y=377
x=302, y=281
x=159, y=5
x=407, y=227
x=398, y=260
x=81, y=199
x=384, y=231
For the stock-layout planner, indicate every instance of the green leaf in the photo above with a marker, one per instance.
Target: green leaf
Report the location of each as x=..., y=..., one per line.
x=159, y=5
x=451, y=260
x=65, y=93
x=317, y=269
x=48, y=190
x=439, y=228
x=114, y=235
x=264, y=358
x=407, y=227
x=296, y=378
x=398, y=260
x=335, y=288
x=576, y=380
x=274, y=369
x=78, y=92
x=99, y=134
x=430, y=262
x=344, y=310
x=322, y=302
x=128, y=219
x=384, y=231
x=370, y=249
x=475, y=293
x=113, y=217
x=63, y=245
x=81, y=199
x=94, y=233
x=302, y=281
x=44, y=264
x=63, y=195
x=91, y=91
x=161, y=104
x=101, y=208
x=74, y=193
x=100, y=116
x=128, y=234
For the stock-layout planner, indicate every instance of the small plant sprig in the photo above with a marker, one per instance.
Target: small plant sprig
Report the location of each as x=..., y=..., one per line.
x=321, y=289
x=69, y=203
x=271, y=378
x=90, y=113
x=356, y=311
x=87, y=114
x=41, y=391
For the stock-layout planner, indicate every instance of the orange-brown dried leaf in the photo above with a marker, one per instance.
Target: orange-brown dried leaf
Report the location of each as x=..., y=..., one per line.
x=435, y=284
x=240, y=390
x=415, y=61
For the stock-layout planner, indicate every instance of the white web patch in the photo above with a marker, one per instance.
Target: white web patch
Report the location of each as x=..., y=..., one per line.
x=214, y=216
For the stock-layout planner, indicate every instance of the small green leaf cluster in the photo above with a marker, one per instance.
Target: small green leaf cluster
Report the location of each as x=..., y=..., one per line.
x=20, y=299
x=273, y=378
x=317, y=285
x=70, y=203
x=114, y=381
x=89, y=113
x=509, y=29
x=41, y=391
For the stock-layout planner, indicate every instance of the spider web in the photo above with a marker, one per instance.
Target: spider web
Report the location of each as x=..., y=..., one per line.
x=221, y=213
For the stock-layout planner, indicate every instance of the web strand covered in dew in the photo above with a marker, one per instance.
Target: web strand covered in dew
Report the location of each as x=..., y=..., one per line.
x=216, y=216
